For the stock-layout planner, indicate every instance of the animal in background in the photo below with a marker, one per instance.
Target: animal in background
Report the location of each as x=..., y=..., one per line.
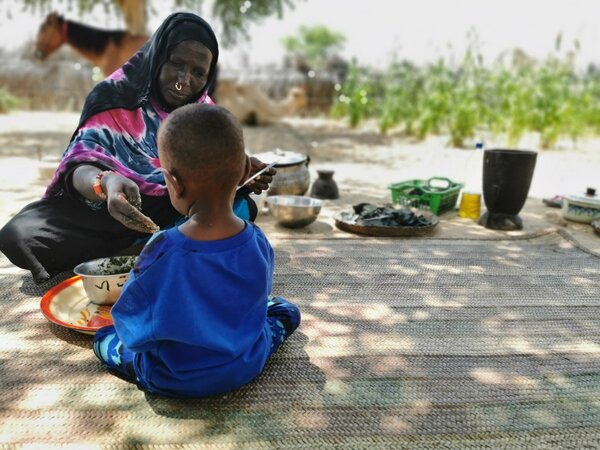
x=252, y=106
x=107, y=49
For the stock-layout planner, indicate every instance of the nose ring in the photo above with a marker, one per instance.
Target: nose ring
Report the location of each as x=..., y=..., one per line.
x=178, y=86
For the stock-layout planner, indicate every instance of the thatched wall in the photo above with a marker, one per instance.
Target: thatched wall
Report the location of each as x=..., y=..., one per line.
x=60, y=83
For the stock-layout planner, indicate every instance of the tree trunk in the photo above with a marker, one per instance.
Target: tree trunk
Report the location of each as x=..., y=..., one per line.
x=135, y=13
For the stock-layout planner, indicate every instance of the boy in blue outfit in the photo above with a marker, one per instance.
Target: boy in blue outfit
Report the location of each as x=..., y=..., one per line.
x=196, y=317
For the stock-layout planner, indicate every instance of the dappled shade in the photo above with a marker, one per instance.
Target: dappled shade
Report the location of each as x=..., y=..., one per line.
x=403, y=341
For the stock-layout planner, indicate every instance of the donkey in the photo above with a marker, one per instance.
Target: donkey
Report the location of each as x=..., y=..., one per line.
x=107, y=49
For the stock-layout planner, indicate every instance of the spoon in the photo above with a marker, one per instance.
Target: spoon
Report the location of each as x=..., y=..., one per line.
x=267, y=167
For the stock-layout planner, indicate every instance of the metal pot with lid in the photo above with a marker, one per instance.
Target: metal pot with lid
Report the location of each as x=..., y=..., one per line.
x=293, y=177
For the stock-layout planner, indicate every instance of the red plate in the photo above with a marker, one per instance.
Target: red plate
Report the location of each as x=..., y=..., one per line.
x=67, y=305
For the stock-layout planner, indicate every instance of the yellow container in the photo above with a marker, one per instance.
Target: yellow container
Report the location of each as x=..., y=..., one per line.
x=470, y=205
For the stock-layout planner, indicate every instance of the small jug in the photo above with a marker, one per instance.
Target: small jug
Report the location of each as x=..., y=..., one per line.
x=324, y=187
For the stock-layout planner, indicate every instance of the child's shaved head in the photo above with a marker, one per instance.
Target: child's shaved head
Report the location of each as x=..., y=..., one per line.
x=203, y=141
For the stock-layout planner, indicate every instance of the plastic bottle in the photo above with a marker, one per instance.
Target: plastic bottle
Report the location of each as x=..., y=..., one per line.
x=470, y=202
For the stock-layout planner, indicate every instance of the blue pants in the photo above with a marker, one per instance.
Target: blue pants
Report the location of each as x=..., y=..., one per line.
x=282, y=317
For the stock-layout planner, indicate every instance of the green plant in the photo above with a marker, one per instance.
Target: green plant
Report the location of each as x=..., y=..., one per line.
x=468, y=108
x=591, y=89
x=235, y=16
x=8, y=101
x=315, y=43
x=402, y=86
x=434, y=103
x=510, y=98
x=548, y=102
x=355, y=99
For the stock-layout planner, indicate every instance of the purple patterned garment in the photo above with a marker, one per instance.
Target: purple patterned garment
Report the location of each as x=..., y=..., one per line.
x=120, y=119
x=120, y=140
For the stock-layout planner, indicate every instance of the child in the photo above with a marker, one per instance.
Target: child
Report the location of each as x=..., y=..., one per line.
x=196, y=317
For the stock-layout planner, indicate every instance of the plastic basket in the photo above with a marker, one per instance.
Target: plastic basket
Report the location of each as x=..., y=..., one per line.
x=436, y=194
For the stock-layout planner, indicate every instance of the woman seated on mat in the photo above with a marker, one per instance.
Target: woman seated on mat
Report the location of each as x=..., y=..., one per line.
x=108, y=192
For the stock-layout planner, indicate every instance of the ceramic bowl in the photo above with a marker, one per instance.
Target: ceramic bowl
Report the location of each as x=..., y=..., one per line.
x=294, y=211
x=581, y=209
x=103, y=278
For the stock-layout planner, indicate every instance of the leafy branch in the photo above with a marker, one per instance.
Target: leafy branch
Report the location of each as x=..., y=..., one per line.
x=236, y=16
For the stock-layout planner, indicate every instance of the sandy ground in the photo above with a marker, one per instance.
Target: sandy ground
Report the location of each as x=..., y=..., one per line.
x=364, y=161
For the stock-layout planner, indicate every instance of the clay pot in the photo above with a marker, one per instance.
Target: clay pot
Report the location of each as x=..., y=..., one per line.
x=324, y=187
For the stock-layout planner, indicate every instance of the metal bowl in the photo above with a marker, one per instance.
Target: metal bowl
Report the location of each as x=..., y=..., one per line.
x=294, y=211
x=103, y=278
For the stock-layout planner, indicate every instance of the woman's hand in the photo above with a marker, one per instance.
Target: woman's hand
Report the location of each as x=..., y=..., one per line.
x=124, y=203
x=122, y=196
x=260, y=183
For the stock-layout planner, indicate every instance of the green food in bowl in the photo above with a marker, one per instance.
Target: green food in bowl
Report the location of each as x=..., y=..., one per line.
x=115, y=265
x=103, y=278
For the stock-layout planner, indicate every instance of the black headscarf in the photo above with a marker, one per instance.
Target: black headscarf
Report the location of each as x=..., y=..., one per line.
x=141, y=72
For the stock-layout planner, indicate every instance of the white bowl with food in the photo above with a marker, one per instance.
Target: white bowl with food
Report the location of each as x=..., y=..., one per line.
x=103, y=278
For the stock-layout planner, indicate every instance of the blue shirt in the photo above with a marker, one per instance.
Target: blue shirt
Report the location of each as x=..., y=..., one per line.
x=194, y=312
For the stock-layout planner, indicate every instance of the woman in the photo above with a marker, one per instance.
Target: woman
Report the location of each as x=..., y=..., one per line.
x=108, y=192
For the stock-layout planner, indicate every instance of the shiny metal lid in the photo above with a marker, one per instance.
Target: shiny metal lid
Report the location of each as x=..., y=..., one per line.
x=284, y=158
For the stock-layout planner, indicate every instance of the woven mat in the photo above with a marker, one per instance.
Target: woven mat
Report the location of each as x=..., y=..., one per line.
x=404, y=344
